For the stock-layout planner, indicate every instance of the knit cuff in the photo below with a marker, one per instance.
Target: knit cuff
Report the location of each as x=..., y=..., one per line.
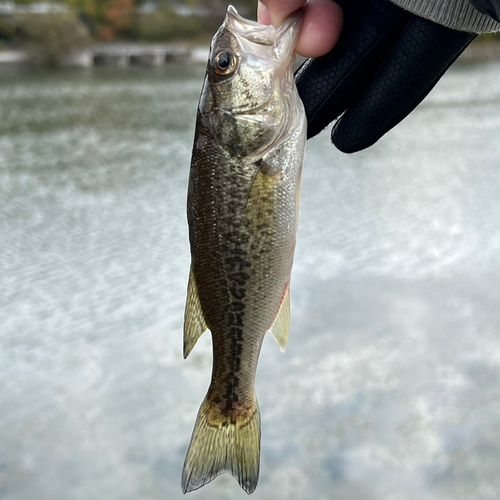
x=456, y=14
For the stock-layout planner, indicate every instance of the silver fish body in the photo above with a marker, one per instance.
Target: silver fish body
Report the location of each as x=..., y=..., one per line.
x=242, y=212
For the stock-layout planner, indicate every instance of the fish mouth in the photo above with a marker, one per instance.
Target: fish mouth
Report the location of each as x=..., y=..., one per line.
x=231, y=11
x=251, y=30
x=256, y=32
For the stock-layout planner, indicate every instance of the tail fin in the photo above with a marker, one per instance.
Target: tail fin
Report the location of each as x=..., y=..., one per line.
x=221, y=445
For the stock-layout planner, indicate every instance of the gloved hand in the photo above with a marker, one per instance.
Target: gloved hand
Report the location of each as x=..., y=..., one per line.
x=384, y=64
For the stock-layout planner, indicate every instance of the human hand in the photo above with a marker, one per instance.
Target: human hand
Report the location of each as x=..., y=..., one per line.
x=321, y=25
x=386, y=61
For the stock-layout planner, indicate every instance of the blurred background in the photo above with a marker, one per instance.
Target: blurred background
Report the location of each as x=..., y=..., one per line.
x=390, y=386
x=65, y=32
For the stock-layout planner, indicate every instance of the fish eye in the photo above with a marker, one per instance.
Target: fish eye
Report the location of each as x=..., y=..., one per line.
x=225, y=63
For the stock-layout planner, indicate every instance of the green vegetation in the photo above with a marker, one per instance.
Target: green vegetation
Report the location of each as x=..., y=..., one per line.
x=165, y=24
x=51, y=36
x=489, y=37
x=107, y=20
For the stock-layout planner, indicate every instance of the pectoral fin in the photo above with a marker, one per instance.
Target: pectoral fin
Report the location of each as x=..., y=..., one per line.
x=279, y=329
x=194, y=321
x=261, y=202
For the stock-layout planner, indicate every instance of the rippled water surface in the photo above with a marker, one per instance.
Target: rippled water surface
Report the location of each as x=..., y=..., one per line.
x=390, y=386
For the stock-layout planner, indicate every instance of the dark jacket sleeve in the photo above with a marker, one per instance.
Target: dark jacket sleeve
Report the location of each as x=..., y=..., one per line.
x=488, y=7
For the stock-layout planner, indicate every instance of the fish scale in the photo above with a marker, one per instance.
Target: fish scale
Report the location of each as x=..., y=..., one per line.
x=242, y=213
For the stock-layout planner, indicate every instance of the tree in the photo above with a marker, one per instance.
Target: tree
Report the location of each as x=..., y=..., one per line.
x=108, y=18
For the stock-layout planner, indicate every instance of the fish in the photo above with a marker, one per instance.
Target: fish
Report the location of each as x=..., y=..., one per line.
x=242, y=209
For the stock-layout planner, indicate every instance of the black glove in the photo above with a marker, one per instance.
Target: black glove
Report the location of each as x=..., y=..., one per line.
x=385, y=62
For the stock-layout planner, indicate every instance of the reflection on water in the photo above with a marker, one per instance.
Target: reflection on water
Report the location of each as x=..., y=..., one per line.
x=390, y=385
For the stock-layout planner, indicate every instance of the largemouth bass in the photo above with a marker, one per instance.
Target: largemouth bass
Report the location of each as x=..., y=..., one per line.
x=242, y=212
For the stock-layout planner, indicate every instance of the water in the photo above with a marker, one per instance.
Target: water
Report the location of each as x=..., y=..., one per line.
x=389, y=388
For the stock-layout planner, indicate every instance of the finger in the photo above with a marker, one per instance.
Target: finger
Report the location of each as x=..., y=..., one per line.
x=330, y=84
x=413, y=67
x=321, y=25
x=321, y=28
x=279, y=10
x=263, y=14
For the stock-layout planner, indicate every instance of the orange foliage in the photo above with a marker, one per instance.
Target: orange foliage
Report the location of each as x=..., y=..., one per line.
x=106, y=33
x=119, y=13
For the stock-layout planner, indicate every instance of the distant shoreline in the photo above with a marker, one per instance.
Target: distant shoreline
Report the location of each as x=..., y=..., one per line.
x=158, y=54
x=481, y=50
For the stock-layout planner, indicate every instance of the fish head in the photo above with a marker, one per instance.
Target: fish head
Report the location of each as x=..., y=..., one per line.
x=249, y=92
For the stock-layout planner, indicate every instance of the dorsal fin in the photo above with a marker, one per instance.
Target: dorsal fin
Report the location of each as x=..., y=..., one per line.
x=194, y=321
x=279, y=329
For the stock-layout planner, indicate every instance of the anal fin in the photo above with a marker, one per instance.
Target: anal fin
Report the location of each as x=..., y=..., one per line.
x=279, y=328
x=194, y=321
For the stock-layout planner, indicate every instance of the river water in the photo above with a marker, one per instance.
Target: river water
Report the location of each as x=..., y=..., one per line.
x=390, y=386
